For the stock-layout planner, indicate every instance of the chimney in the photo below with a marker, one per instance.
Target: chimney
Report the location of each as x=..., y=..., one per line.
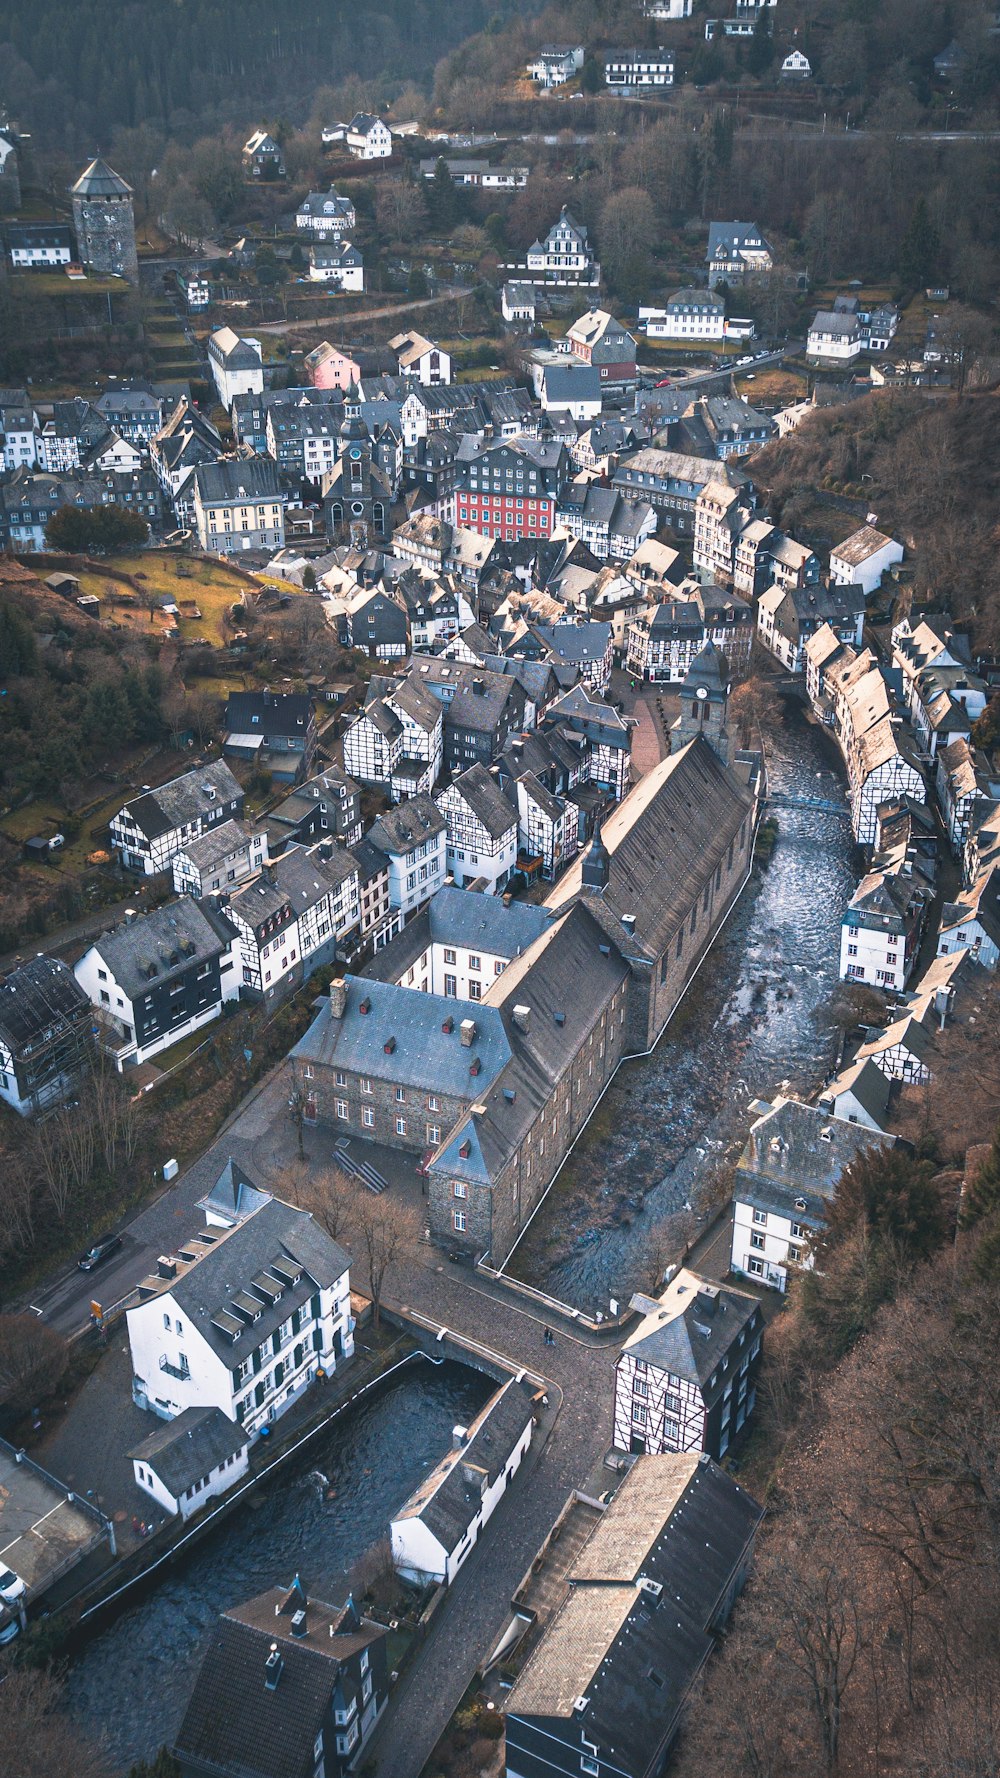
x=522, y=1017
x=326, y=850
x=129, y=916
x=272, y=1668
x=707, y=1299
x=468, y=1032
x=628, y=921
x=299, y=1625
x=338, y=997
x=166, y=1268
x=459, y=1436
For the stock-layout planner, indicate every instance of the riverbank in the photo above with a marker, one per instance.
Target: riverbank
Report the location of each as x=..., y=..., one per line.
x=755, y=1021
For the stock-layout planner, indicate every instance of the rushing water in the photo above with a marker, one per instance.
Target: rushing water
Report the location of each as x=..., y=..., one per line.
x=756, y=1018
x=132, y=1683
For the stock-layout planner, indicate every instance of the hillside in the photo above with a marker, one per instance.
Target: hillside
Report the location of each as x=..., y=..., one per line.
x=931, y=472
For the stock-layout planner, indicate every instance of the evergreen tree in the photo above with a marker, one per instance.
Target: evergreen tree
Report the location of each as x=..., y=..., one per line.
x=760, y=54
x=442, y=198
x=920, y=250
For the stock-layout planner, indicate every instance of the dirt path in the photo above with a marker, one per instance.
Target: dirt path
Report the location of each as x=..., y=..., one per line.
x=339, y=318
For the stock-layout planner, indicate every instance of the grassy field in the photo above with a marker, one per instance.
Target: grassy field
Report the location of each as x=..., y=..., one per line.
x=773, y=384
x=212, y=586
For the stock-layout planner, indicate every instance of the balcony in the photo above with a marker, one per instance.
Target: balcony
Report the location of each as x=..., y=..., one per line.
x=181, y=1371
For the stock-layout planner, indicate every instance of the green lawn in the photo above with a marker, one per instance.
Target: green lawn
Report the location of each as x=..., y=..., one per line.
x=212, y=586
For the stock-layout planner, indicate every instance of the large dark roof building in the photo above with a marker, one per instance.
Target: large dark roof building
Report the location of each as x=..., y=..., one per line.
x=45, y=1034
x=288, y=1687
x=605, y=1687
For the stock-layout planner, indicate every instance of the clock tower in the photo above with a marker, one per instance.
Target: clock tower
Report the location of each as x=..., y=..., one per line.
x=704, y=702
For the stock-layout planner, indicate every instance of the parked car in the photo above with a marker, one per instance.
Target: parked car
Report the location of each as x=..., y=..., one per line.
x=57, y=840
x=10, y=1626
x=11, y=1585
x=664, y=383
x=101, y=1250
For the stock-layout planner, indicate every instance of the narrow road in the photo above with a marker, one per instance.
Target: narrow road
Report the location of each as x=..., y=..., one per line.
x=340, y=317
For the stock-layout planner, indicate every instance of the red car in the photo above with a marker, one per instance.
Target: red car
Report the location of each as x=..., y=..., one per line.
x=664, y=383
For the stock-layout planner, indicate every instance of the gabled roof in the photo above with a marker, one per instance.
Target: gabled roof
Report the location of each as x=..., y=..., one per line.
x=160, y=946
x=36, y=997
x=480, y=791
x=691, y=1327
x=408, y=825
x=424, y=1052
x=448, y=1500
x=794, y=1158
x=183, y=800
x=186, y=1449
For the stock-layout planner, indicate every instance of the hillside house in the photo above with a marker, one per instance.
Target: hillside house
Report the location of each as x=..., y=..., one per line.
x=148, y=831
x=686, y=1376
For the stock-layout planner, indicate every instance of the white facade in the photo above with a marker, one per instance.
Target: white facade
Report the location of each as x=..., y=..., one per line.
x=104, y=991
x=555, y=66
x=836, y=337
x=689, y=315
x=370, y=140
x=416, y=875
x=548, y=827
x=634, y=71
x=218, y=1481
x=175, y=1367
x=421, y=1553
x=195, y=873
x=39, y=253
x=237, y=365
x=472, y=851
x=863, y=559
x=880, y=959
x=767, y=1242
x=340, y=265
x=204, y=798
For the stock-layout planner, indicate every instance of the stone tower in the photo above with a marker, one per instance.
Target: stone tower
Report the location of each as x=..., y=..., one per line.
x=104, y=222
x=704, y=702
x=595, y=872
x=357, y=497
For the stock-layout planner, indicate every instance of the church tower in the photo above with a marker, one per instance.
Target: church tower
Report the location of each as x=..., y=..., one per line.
x=357, y=496
x=104, y=222
x=704, y=702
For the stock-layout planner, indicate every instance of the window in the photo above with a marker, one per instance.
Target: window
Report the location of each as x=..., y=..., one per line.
x=794, y=1253
x=433, y=1134
x=798, y=1230
x=640, y=1386
x=449, y=956
x=756, y=1268
x=366, y=1085
x=760, y=1216
x=460, y=1189
x=400, y=1096
x=368, y=1117
x=638, y=1413
x=474, y=962
x=340, y=1105
x=432, y=1104
x=451, y=987
x=400, y=1126
x=475, y=990
x=590, y=1766
x=757, y=1241
x=458, y=1221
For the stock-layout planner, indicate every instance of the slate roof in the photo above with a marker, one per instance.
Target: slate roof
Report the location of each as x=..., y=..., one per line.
x=682, y=1523
x=734, y=236
x=100, y=181
x=38, y=234
x=480, y=790
x=268, y=713
x=683, y=1334
x=276, y=1232
x=238, y=482
x=407, y=825
x=423, y=1055
x=787, y=1157
x=234, y=1194
x=186, y=1449
x=162, y=945
x=665, y=840
x=217, y=843
x=234, y=352
x=36, y=996
x=184, y=799
x=448, y=1499
x=234, y=1723
x=455, y=917
x=572, y=382
x=479, y=697
x=867, y=1083
x=578, y=643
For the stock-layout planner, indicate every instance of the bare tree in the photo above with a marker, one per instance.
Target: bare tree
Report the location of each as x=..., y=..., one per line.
x=33, y=1358
x=325, y=1192
x=385, y=1226
x=37, y=1737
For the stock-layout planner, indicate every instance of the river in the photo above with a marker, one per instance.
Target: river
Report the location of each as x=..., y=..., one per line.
x=755, y=1019
x=132, y=1683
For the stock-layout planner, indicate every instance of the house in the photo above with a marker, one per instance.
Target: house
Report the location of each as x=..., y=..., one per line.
x=366, y=137
x=482, y=830
x=606, y=737
x=18, y=430
x=149, y=830
x=413, y=839
x=573, y=389
x=632, y=71
x=788, y=616
x=611, y=527
x=555, y=64
x=508, y=489
x=686, y=1376
x=420, y=358
x=135, y=414
x=689, y=315
x=286, y=1684
x=735, y=428
x=195, y=287
x=796, y=66
x=262, y=157
x=477, y=173
x=33, y=246
x=397, y=741
x=222, y=857
x=670, y=481
x=190, y=1460
x=859, y=1094
x=159, y=977
x=517, y=303
x=239, y=505
x=328, y=806
x=637, y=1614
x=664, y=640
x=836, y=336
x=292, y=917
x=972, y=922
x=599, y=340
x=785, y=1177
x=185, y=440
x=737, y=252
x=964, y=780
x=276, y=729
x=327, y=367
x=236, y=365
x=46, y=1038
x=863, y=558
x=586, y=646
x=441, y=1523
x=564, y=257
x=325, y=215
x=882, y=925
x=243, y=1318
x=458, y=944
x=339, y=264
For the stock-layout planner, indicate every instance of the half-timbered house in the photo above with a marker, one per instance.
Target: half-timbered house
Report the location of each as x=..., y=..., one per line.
x=686, y=1377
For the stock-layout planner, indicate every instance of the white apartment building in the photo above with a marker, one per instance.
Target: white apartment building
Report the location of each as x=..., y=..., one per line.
x=689, y=315
x=243, y=1320
x=880, y=934
x=835, y=336
x=293, y=916
x=223, y=857
x=237, y=365
x=862, y=559
x=413, y=838
x=555, y=64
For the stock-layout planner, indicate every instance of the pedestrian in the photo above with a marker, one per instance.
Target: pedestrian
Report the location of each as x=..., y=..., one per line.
x=546, y=1336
